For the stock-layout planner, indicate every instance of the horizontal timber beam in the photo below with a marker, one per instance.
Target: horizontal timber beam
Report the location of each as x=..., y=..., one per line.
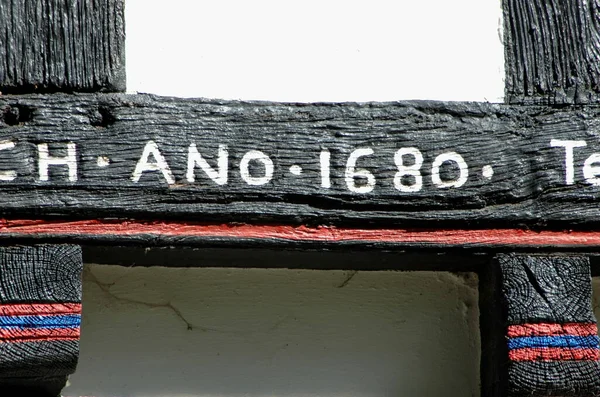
x=139, y=168
x=155, y=233
x=333, y=257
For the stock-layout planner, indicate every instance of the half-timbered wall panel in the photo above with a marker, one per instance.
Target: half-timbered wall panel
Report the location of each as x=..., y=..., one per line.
x=157, y=332
x=72, y=168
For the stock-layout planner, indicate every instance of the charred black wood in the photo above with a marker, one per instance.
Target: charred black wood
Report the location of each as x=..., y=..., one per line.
x=552, y=51
x=405, y=164
x=551, y=345
x=40, y=316
x=66, y=46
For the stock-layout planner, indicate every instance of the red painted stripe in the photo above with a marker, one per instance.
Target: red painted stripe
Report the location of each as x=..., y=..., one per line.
x=512, y=237
x=37, y=334
x=24, y=309
x=553, y=354
x=547, y=329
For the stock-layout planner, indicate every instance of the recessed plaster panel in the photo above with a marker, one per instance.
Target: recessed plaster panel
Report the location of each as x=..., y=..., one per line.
x=276, y=332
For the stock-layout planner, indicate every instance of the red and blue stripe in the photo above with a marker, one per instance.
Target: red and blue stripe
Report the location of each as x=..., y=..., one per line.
x=39, y=322
x=553, y=342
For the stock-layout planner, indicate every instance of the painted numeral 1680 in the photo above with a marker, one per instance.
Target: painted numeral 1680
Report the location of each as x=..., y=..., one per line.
x=408, y=160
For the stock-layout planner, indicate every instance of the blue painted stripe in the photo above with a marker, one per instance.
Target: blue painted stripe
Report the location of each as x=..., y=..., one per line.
x=591, y=341
x=64, y=321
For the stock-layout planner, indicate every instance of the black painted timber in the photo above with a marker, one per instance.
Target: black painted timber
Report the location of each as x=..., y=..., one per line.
x=552, y=50
x=528, y=188
x=41, y=274
x=263, y=257
x=492, y=330
x=62, y=45
x=547, y=289
x=317, y=258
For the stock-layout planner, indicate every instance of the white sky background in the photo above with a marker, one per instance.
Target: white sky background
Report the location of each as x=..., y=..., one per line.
x=316, y=50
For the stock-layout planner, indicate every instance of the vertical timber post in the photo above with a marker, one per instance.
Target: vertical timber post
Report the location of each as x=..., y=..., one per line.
x=62, y=46
x=40, y=315
x=57, y=46
x=552, y=50
x=542, y=335
x=539, y=334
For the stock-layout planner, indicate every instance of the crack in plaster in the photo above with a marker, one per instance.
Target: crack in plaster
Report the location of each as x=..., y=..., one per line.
x=349, y=276
x=105, y=287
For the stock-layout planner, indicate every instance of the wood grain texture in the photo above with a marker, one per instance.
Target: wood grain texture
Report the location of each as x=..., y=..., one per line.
x=554, y=378
x=40, y=274
x=62, y=45
x=527, y=189
x=552, y=289
x=552, y=51
x=541, y=291
x=35, y=284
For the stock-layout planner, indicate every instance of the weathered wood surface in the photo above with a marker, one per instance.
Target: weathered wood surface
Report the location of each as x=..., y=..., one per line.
x=40, y=314
x=552, y=51
x=62, y=45
x=189, y=234
x=551, y=335
x=516, y=171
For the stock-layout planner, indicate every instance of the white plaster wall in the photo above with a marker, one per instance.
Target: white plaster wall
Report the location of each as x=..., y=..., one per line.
x=275, y=332
x=316, y=50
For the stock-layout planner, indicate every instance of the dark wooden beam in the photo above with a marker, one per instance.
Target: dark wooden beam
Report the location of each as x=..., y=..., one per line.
x=552, y=51
x=143, y=157
x=539, y=333
x=62, y=45
x=229, y=235
x=261, y=256
x=332, y=257
x=40, y=315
